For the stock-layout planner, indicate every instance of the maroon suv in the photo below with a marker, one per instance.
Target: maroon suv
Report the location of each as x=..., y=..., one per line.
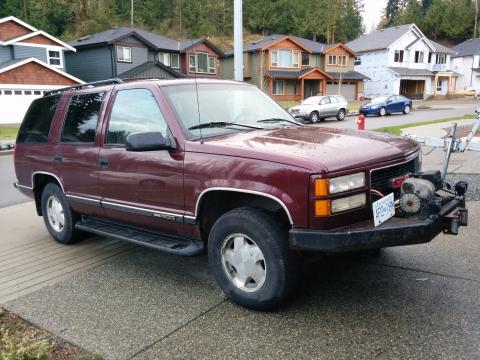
x=189, y=166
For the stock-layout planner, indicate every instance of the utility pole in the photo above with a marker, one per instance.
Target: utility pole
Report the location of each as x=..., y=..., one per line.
x=237, y=40
x=131, y=13
x=476, y=17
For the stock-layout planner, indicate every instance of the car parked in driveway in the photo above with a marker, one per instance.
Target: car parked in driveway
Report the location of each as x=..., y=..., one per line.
x=318, y=108
x=385, y=105
x=193, y=166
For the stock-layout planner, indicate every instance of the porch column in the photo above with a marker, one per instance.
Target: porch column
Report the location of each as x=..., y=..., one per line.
x=301, y=89
x=324, y=87
x=435, y=84
x=270, y=85
x=455, y=89
x=449, y=85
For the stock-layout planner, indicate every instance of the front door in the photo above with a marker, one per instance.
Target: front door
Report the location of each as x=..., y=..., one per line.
x=140, y=188
x=311, y=88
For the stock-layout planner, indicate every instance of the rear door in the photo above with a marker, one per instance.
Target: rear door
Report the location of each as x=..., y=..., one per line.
x=325, y=107
x=140, y=188
x=75, y=158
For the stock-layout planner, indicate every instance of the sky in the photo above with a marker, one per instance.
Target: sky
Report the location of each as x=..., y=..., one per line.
x=373, y=10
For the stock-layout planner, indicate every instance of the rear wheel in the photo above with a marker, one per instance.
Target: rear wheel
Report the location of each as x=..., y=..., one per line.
x=382, y=111
x=57, y=215
x=314, y=118
x=248, y=254
x=406, y=109
x=341, y=115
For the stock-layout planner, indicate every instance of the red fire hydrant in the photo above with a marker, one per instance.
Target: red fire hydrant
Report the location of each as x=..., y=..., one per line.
x=361, y=122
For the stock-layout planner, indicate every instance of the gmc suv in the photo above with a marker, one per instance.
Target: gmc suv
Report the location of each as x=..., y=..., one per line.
x=188, y=166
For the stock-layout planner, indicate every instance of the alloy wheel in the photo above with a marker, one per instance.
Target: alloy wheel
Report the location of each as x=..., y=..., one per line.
x=55, y=214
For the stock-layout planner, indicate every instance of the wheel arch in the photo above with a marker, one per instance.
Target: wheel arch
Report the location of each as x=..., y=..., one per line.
x=39, y=180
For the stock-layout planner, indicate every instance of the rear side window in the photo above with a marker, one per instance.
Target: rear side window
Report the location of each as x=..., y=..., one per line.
x=134, y=111
x=36, y=124
x=82, y=118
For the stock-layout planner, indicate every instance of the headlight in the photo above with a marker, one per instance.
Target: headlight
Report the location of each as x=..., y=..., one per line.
x=347, y=203
x=346, y=183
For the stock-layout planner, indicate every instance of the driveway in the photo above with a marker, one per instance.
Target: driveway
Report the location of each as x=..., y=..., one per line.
x=8, y=194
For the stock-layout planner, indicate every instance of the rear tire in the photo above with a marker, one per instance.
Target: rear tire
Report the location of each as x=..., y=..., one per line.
x=58, y=216
x=382, y=111
x=406, y=109
x=249, y=257
x=314, y=117
x=341, y=115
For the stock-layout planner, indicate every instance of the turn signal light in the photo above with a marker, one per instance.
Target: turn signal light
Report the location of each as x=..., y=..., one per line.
x=321, y=187
x=322, y=207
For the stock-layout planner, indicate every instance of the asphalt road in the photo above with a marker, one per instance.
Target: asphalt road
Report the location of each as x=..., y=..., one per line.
x=374, y=122
x=8, y=194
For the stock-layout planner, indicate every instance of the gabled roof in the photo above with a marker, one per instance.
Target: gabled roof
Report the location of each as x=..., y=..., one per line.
x=439, y=48
x=9, y=65
x=380, y=39
x=34, y=32
x=467, y=48
x=154, y=41
x=334, y=46
x=288, y=74
x=147, y=65
x=410, y=72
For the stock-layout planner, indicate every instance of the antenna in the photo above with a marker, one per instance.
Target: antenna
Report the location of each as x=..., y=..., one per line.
x=196, y=92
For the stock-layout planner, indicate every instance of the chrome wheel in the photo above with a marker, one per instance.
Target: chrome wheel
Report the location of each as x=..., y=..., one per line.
x=382, y=111
x=314, y=117
x=55, y=214
x=407, y=109
x=243, y=262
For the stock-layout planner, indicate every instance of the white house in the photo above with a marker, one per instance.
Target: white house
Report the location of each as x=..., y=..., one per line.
x=466, y=61
x=401, y=61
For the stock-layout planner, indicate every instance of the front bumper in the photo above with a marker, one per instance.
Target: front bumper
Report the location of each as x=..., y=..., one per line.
x=368, y=111
x=396, y=231
x=300, y=116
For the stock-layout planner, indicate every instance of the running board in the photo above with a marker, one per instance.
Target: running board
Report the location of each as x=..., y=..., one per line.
x=166, y=243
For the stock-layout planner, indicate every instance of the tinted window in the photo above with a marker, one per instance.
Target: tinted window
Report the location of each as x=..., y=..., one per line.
x=36, y=124
x=82, y=118
x=134, y=111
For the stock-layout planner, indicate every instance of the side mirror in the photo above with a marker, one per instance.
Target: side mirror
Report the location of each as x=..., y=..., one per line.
x=147, y=141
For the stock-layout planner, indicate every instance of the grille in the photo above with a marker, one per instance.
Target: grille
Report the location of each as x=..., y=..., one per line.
x=380, y=179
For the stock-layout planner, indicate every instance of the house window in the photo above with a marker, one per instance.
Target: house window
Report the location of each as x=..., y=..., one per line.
x=274, y=58
x=27, y=92
x=295, y=59
x=211, y=65
x=36, y=92
x=202, y=62
x=398, y=56
x=441, y=59
x=164, y=58
x=439, y=86
x=54, y=58
x=419, y=57
x=7, y=92
x=285, y=58
x=18, y=92
x=278, y=87
x=332, y=60
x=358, y=61
x=192, y=63
x=124, y=54
x=342, y=60
x=175, y=61
x=305, y=59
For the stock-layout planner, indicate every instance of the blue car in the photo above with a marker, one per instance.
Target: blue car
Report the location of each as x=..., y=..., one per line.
x=384, y=105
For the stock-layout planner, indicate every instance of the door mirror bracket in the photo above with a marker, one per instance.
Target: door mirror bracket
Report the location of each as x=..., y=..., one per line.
x=148, y=141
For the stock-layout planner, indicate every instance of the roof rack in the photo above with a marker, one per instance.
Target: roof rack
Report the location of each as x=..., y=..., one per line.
x=86, y=85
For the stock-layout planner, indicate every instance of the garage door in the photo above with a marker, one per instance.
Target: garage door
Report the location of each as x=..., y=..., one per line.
x=14, y=104
x=348, y=90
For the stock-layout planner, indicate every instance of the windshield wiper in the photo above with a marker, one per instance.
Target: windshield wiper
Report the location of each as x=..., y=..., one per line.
x=278, y=120
x=221, y=124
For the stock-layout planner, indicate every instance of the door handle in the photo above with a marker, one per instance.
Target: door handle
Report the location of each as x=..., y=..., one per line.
x=58, y=158
x=104, y=162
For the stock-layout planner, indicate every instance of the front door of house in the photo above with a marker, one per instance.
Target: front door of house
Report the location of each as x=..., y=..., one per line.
x=311, y=88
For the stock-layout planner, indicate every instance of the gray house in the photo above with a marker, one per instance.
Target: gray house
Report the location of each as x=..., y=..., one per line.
x=134, y=53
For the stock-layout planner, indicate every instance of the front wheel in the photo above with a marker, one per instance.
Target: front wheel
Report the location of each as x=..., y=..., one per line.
x=382, y=111
x=314, y=118
x=341, y=115
x=57, y=215
x=249, y=257
x=406, y=109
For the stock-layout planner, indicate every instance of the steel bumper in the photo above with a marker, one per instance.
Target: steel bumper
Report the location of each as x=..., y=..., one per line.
x=396, y=231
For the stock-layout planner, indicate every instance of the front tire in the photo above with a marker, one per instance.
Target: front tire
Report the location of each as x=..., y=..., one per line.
x=382, y=111
x=406, y=109
x=57, y=215
x=314, y=117
x=341, y=115
x=249, y=257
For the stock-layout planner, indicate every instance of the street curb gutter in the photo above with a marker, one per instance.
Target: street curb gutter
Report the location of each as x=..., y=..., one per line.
x=6, y=152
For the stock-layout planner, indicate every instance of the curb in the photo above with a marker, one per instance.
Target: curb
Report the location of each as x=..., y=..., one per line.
x=6, y=152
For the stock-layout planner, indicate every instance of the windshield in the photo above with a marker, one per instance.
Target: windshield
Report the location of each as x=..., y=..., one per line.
x=314, y=100
x=223, y=103
x=380, y=99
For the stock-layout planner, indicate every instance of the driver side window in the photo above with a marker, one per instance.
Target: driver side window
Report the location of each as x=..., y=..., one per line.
x=324, y=101
x=134, y=111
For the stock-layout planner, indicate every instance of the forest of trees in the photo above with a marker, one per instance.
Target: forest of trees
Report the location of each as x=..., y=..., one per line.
x=452, y=20
x=324, y=20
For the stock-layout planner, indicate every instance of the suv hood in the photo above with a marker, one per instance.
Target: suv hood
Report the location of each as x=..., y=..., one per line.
x=316, y=148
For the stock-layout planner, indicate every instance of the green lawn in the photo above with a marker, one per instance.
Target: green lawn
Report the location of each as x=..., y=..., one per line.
x=8, y=132
x=397, y=130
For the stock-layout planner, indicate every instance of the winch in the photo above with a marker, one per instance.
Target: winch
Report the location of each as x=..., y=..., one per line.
x=415, y=193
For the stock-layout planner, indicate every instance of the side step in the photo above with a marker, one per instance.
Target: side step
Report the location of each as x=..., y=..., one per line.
x=167, y=243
